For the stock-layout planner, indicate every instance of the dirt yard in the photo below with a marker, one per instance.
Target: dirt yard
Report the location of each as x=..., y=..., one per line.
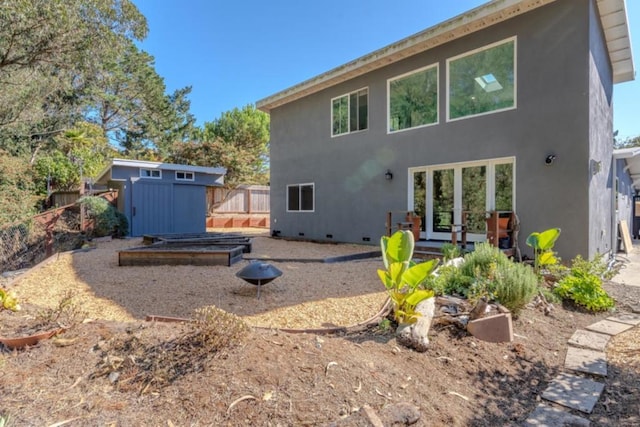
x=113, y=368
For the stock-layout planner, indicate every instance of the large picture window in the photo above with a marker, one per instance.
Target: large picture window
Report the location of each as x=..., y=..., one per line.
x=482, y=81
x=413, y=99
x=300, y=198
x=350, y=112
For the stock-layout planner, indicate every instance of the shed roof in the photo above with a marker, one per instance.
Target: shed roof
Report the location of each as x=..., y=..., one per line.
x=162, y=166
x=613, y=15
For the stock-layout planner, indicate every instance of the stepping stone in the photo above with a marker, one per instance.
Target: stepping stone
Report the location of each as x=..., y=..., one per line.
x=608, y=327
x=585, y=360
x=628, y=318
x=574, y=392
x=588, y=339
x=548, y=416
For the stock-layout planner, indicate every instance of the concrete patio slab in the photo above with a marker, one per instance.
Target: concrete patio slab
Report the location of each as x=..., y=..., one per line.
x=628, y=318
x=589, y=339
x=609, y=327
x=574, y=392
x=585, y=360
x=548, y=416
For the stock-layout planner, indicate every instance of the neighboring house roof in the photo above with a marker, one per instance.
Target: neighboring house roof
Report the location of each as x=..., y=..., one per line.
x=613, y=15
x=162, y=166
x=632, y=158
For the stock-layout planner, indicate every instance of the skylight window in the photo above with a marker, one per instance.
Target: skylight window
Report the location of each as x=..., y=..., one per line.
x=488, y=83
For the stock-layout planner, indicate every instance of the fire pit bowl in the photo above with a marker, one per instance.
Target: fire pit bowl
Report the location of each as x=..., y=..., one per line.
x=259, y=273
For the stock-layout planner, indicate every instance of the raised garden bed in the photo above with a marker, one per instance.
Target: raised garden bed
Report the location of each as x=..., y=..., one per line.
x=226, y=239
x=181, y=254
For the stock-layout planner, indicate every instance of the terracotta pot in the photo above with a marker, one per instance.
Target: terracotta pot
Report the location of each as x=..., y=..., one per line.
x=29, y=340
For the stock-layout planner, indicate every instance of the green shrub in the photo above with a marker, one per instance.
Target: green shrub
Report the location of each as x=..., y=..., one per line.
x=447, y=280
x=107, y=220
x=515, y=286
x=483, y=260
x=598, y=267
x=450, y=251
x=585, y=289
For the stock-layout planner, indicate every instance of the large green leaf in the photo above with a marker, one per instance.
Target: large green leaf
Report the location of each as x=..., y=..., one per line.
x=396, y=271
x=399, y=247
x=419, y=272
x=386, y=280
x=547, y=258
x=532, y=240
x=547, y=238
x=417, y=296
x=544, y=240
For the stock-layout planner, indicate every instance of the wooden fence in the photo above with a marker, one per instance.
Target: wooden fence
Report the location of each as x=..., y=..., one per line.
x=244, y=206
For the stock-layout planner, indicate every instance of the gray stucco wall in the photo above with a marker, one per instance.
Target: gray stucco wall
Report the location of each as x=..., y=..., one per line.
x=625, y=196
x=552, y=117
x=599, y=168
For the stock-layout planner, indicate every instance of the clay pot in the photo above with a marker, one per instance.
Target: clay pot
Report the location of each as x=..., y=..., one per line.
x=29, y=340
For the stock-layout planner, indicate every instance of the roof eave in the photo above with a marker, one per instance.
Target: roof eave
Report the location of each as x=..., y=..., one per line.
x=612, y=14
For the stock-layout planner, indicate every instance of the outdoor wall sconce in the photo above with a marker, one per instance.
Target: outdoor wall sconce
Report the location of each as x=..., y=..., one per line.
x=550, y=159
x=596, y=166
x=388, y=175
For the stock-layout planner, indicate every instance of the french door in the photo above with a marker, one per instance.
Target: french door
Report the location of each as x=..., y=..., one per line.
x=448, y=195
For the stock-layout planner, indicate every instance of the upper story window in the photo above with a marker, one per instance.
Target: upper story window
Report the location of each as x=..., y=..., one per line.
x=350, y=112
x=300, y=198
x=150, y=173
x=482, y=81
x=413, y=99
x=184, y=176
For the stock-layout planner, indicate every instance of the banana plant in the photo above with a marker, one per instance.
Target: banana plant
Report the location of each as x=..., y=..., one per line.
x=542, y=244
x=403, y=277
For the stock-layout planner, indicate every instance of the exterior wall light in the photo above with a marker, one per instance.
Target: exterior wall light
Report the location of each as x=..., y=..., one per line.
x=549, y=159
x=388, y=175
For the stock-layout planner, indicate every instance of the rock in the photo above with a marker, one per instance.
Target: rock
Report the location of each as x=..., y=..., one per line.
x=400, y=414
x=415, y=335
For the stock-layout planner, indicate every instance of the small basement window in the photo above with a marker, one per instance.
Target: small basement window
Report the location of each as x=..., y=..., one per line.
x=184, y=176
x=150, y=173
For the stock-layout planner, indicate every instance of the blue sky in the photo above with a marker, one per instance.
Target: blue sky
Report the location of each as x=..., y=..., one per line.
x=234, y=53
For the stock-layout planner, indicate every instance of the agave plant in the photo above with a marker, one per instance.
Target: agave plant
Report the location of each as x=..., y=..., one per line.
x=403, y=277
x=542, y=244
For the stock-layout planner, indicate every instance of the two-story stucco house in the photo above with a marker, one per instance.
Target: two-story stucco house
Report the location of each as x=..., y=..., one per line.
x=507, y=107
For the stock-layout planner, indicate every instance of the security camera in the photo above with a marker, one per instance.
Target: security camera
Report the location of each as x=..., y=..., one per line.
x=550, y=158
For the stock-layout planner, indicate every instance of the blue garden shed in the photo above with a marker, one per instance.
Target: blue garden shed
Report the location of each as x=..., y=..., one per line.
x=161, y=197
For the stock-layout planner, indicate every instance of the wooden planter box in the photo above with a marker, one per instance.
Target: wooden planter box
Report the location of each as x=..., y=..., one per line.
x=180, y=255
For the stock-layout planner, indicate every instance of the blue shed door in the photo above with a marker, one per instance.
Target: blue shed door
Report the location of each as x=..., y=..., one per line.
x=189, y=209
x=152, y=208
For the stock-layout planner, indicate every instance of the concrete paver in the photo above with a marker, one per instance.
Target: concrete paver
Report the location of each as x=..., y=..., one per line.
x=574, y=392
x=585, y=360
x=628, y=318
x=589, y=339
x=609, y=327
x=548, y=416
